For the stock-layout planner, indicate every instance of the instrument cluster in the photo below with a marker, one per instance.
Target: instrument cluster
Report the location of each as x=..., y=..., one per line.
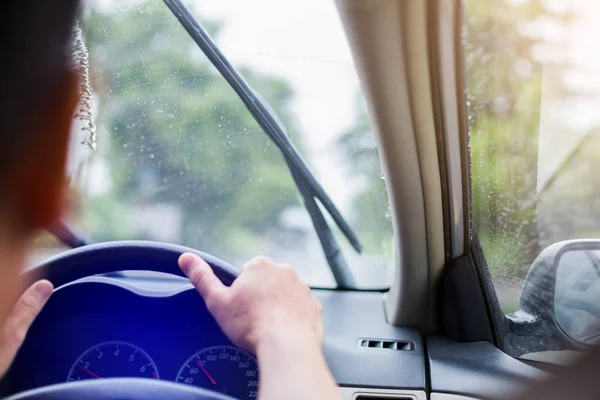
x=106, y=329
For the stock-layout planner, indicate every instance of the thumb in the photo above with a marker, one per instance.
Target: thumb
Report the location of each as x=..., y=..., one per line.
x=204, y=279
x=19, y=320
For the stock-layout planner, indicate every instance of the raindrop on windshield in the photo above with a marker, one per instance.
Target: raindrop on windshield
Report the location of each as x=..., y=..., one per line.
x=80, y=62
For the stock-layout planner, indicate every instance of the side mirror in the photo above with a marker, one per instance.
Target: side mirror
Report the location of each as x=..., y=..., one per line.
x=577, y=294
x=559, y=308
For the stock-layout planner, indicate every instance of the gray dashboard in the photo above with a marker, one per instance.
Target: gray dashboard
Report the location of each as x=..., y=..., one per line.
x=441, y=367
x=477, y=369
x=351, y=317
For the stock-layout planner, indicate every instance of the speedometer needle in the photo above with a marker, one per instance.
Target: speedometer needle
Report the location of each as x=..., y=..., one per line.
x=89, y=372
x=206, y=373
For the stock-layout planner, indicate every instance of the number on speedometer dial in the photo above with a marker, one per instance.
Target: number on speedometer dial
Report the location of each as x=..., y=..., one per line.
x=113, y=360
x=225, y=369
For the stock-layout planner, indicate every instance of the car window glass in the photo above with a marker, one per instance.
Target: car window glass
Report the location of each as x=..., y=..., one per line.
x=179, y=159
x=533, y=98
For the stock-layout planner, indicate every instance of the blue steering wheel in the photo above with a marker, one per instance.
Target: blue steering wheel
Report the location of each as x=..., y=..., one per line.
x=110, y=257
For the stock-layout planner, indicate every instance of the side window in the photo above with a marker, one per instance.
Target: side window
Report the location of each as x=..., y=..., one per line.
x=533, y=91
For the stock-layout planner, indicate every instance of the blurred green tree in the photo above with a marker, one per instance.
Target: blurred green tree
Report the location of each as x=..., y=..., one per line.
x=504, y=97
x=175, y=134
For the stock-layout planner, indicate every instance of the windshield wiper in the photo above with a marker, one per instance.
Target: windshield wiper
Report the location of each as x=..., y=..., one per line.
x=310, y=189
x=68, y=235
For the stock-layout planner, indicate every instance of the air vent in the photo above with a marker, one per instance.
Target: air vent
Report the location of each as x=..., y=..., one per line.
x=386, y=344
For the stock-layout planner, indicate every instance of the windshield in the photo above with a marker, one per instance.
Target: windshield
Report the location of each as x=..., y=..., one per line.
x=179, y=158
x=533, y=83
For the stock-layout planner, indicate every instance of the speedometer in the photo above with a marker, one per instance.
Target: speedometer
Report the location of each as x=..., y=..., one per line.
x=225, y=369
x=113, y=360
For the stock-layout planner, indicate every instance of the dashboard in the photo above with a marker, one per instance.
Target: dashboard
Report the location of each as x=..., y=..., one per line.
x=104, y=327
x=147, y=323
x=100, y=327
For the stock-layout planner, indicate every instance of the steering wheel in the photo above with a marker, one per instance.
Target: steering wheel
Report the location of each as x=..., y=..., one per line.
x=110, y=257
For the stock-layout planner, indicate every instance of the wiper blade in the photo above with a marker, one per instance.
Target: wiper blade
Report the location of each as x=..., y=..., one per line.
x=335, y=259
x=68, y=235
x=308, y=185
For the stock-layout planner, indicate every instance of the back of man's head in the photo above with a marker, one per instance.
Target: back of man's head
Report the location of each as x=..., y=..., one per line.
x=38, y=96
x=35, y=40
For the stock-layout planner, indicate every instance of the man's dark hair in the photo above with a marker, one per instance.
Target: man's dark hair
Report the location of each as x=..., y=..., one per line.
x=35, y=47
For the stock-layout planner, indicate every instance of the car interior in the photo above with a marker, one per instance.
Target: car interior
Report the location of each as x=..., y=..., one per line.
x=439, y=331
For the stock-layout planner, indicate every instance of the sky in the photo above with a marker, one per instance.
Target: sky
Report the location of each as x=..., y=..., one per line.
x=563, y=125
x=304, y=44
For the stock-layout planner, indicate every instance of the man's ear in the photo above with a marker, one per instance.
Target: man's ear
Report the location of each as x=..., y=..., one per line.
x=41, y=170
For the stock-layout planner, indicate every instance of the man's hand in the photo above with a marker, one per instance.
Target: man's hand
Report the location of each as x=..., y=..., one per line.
x=16, y=325
x=270, y=312
x=266, y=302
